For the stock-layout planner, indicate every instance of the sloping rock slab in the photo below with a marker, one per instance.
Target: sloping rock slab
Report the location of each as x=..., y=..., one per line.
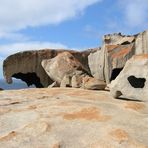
x=70, y=118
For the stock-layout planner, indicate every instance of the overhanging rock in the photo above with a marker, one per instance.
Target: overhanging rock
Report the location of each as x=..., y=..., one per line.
x=27, y=66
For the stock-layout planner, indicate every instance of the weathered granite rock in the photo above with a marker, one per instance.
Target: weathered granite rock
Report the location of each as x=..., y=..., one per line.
x=118, y=39
x=116, y=57
x=93, y=83
x=71, y=118
x=54, y=84
x=141, y=43
x=77, y=79
x=132, y=82
x=63, y=65
x=27, y=66
x=69, y=72
x=66, y=81
x=96, y=63
x=106, y=63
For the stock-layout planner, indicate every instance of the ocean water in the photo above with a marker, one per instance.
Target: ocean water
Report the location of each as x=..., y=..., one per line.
x=17, y=84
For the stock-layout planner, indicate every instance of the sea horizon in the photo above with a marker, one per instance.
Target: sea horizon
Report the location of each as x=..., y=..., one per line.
x=17, y=84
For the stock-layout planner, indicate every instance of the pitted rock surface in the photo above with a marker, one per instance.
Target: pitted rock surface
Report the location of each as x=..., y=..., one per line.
x=71, y=118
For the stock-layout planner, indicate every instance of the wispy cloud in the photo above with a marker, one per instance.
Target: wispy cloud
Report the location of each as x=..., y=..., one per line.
x=14, y=36
x=135, y=12
x=8, y=49
x=19, y=14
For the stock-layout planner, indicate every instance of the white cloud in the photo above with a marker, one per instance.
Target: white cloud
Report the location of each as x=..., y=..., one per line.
x=8, y=49
x=14, y=36
x=19, y=14
x=136, y=12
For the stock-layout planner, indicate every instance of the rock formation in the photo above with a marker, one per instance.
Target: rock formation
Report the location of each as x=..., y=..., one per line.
x=141, y=43
x=111, y=60
x=102, y=64
x=78, y=118
x=107, y=62
x=118, y=39
x=27, y=66
x=64, y=64
x=132, y=82
x=71, y=118
x=93, y=83
x=67, y=71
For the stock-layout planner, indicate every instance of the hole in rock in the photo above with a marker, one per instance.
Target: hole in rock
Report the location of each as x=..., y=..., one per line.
x=17, y=84
x=115, y=73
x=136, y=82
x=125, y=43
x=29, y=78
x=67, y=85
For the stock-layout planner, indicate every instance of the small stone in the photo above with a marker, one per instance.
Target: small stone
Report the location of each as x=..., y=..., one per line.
x=93, y=84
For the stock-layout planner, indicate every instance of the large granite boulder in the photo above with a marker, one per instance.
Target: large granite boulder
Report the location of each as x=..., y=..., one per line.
x=93, y=83
x=67, y=71
x=132, y=82
x=107, y=62
x=141, y=43
x=96, y=63
x=71, y=118
x=62, y=66
x=115, y=59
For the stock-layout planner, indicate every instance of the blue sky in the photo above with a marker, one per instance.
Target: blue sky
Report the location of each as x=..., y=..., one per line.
x=71, y=24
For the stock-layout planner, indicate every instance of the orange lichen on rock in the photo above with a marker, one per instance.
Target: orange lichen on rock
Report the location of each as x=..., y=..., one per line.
x=111, y=47
x=119, y=134
x=9, y=136
x=134, y=106
x=57, y=145
x=91, y=113
x=141, y=56
x=122, y=52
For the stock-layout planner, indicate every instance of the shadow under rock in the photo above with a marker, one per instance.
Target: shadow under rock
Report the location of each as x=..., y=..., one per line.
x=127, y=99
